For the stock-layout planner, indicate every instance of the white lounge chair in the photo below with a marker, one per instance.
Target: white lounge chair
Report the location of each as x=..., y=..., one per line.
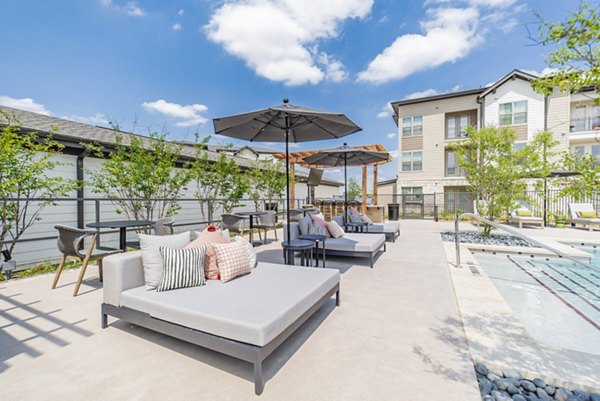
x=524, y=215
x=576, y=218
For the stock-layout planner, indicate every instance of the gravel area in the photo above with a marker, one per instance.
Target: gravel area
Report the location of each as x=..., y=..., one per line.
x=476, y=237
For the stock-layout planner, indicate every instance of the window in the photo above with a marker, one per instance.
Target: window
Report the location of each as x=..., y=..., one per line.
x=412, y=161
x=452, y=168
x=412, y=190
x=412, y=126
x=579, y=149
x=596, y=154
x=519, y=145
x=457, y=123
x=513, y=113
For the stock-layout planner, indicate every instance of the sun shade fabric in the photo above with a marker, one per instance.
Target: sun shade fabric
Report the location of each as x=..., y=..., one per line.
x=182, y=268
x=345, y=155
x=268, y=125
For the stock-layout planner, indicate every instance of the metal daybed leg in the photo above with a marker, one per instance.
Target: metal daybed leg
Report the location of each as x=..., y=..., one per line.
x=103, y=318
x=337, y=298
x=372, y=260
x=259, y=383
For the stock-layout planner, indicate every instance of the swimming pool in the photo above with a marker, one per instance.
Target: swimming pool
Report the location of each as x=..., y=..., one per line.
x=557, y=301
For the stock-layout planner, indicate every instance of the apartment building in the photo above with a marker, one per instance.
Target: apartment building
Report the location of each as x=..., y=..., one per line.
x=428, y=125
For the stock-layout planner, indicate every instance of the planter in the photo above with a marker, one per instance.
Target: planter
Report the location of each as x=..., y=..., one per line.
x=559, y=224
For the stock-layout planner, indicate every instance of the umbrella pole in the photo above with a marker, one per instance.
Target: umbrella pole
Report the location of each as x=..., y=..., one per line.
x=287, y=176
x=345, y=190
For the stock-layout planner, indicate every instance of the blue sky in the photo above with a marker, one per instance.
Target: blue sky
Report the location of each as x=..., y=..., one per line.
x=157, y=65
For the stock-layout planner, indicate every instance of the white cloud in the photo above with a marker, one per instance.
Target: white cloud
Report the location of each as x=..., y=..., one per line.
x=334, y=69
x=96, y=119
x=188, y=114
x=26, y=103
x=448, y=35
x=543, y=73
x=180, y=12
x=391, y=135
x=274, y=37
x=481, y=3
x=177, y=27
x=386, y=111
x=394, y=153
x=424, y=93
x=131, y=8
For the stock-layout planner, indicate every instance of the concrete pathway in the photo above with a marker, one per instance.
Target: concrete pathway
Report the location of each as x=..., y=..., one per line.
x=396, y=336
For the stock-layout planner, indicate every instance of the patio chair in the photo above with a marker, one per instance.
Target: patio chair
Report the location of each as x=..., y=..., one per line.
x=69, y=241
x=296, y=214
x=267, y=222
x=580, y=213
x=162, y=226
x=233, y=223
x=524, y=215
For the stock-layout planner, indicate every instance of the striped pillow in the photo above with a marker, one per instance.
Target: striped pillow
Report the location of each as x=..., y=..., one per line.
x=182, y=268
x=232, y=259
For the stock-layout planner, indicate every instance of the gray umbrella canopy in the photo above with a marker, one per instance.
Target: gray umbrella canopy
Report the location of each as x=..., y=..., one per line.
x=346, y=156
x=286, y=123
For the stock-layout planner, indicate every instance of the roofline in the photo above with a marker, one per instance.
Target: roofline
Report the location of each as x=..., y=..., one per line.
x=386, y=182
x=448, y=95
x=525, y=76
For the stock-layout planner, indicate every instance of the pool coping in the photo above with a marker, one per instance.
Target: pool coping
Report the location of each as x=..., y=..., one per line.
x=497, y=337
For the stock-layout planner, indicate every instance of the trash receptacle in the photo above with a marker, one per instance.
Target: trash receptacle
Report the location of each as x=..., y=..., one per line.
x=393, y=211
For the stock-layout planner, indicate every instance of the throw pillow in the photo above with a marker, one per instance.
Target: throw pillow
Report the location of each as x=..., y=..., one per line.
x=304, y=225
x=587, y=214
x=249, y=250
x=316, y=230
x=318, y=222
x=366, y=219
x=355, y=218
x=151, y=259
x=319, y=215
x=181, y=268
x=232, y=259
x=208, y=239
x=353, y=210
x=524, y=213
x=335, y=230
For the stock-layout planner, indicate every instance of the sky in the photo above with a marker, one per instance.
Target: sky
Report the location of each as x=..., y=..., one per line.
x=172, y=66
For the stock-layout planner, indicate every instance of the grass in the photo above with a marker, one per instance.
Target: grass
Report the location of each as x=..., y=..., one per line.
x=41, y=268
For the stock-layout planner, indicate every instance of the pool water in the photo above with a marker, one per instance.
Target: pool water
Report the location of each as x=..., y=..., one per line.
x=557, y=301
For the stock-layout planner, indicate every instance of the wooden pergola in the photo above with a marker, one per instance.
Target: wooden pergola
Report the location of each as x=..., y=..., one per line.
x=298, y=158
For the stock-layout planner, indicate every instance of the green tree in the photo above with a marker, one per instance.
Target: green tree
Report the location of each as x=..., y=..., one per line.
x=140, y=178
x=26, y=164
x=354, y=190
x=266, y=180
x=587, y=182
x=575, y=52
x=494, y=170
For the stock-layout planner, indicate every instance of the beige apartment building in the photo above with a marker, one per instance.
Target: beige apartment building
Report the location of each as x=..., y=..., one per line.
x=426, y=126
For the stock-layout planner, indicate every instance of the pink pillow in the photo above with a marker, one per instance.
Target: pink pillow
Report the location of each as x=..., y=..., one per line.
x=232, y=259
x=366, y=219
x=335, y=230
x=208, y=239
x=354, y=210
x=318, y=222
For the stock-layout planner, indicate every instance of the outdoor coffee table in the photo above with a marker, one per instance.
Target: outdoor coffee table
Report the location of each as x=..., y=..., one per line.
x=357, y=226
x=251, y=215
x=122, y=225
x=298, y=245
x=316, y=238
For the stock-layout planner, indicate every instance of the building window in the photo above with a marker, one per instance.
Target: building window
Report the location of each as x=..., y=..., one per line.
x=513, y=113
x=519, y=145
x=457, y=123
x=412, y=126
x=412, y=161
x=452, y=167
x=596, y=154
x=412, y=194
x=579, y=149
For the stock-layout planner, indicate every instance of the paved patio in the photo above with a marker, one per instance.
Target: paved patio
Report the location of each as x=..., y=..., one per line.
x=396, y=336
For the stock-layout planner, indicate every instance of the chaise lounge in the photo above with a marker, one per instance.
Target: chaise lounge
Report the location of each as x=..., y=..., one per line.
x=391, y=229
x=524, y=215
x=237, y=318
x=584, y=214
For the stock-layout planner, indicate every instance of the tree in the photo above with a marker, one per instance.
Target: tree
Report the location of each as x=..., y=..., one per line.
x=141, y=178
x=587, y=182
x=354, y=190
x=494, y=170
x=26, y=163
x=575, y=58
x=266, y=180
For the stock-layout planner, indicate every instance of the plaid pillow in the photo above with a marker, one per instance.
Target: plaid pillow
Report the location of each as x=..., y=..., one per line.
x=249, y=250
x=335, y=230
x=181, y=268
x=232, y=260
x=207, y=239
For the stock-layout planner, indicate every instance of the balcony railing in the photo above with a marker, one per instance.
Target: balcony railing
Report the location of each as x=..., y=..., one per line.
x=585, y=124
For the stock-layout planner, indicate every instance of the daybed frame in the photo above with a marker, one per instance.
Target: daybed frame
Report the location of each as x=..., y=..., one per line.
x=357, y=254
x=244, y=351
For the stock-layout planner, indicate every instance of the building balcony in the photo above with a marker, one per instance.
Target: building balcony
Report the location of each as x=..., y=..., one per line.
x=585, y=125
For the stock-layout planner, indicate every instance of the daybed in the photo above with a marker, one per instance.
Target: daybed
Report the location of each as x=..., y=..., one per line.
x=524, y=215
x=238, y=318
x=577, y=209
x=391, y=229
x=359, y=245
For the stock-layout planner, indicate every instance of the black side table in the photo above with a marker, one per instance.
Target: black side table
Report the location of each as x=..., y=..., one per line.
x=316, y=238
x=357, y=227
x=305, y=248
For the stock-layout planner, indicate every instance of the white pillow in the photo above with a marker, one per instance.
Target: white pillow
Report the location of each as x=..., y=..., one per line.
x=151, y=257
x=335, y=229
x=249, y=250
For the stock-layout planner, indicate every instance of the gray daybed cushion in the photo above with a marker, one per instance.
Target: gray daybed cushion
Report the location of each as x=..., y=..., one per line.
x=355, y=242
x=387, y=227
x=253, y=309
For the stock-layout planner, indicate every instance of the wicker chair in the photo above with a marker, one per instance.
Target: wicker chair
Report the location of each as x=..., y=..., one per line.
x=267, y=222
x=233, y=223
x=163, y=226
x=69, y=241
x=296, y=214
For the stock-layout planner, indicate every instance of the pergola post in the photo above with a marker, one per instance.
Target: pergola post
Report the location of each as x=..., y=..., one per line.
x=364, y=190
x=292, y=185
x=375, y=200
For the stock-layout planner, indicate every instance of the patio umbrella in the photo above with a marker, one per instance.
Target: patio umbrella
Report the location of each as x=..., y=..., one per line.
x=286, y=123
x=346, y=156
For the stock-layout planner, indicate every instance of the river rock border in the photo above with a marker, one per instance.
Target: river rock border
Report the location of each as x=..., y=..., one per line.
x=475, y=237
x=509, y=385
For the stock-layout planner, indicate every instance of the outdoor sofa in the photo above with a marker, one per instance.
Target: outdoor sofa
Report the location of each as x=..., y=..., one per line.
x=360, y=245
x=247, y=318
x=577, y=209
x=391, y=229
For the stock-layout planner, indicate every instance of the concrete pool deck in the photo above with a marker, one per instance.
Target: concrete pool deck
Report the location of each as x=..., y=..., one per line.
x=397, y=335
